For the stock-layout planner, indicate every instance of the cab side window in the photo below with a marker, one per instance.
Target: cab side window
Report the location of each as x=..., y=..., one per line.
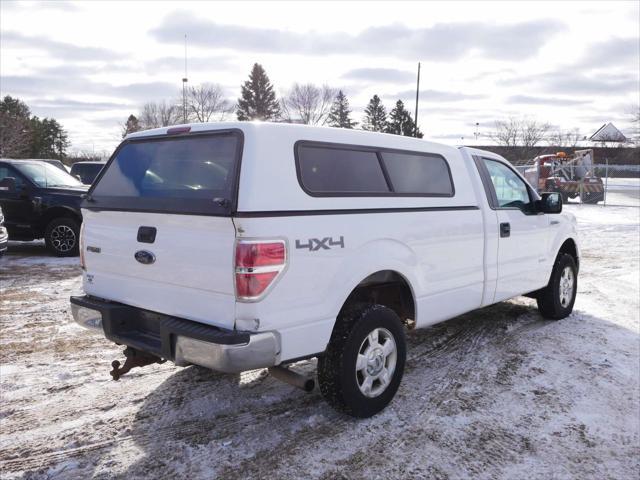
x=510, y=189
x=6, y=171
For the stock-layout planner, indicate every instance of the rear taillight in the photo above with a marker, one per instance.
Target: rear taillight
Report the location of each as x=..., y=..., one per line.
x=257, y=264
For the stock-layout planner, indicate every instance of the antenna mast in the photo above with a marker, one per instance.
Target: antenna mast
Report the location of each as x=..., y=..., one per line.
x=184, y=83
x=415, y=116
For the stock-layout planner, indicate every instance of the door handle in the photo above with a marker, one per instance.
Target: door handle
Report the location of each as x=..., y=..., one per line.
x=505, y=230
x=554, y=222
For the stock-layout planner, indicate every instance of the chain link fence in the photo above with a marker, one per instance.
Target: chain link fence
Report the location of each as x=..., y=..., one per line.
x=614, y=185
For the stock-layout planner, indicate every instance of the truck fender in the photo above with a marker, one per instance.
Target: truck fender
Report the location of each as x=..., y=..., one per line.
x=370, y=258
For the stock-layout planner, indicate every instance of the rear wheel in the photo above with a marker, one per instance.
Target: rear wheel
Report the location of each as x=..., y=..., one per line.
x=62, y=237
x=361, y=370
x=556, y=300
x=592, y=197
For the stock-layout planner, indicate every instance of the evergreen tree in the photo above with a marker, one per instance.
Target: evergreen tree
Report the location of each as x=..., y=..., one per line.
x=339, y=114
x=258, y=99
x=375, y=116
x=26, y=136
x=131, y=125
x=401, y=123
x=49, y=139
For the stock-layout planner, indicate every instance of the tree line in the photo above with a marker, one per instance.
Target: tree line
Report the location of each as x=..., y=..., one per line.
x=303, y=103
x=23, y=135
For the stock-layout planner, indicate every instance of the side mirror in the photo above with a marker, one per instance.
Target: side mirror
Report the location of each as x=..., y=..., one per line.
x=551, y=202
x=8, y=184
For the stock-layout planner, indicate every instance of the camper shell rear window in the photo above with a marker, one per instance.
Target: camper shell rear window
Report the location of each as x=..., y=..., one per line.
x=189, y=174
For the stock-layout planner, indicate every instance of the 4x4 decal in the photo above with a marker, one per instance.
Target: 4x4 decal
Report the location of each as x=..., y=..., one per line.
x=316, y=244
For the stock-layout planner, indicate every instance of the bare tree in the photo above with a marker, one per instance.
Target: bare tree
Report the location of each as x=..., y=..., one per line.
x=206, y=101
x=159, y=114
x=506, y=132
x=84, y=155
x=16, y=133
x=15, y=137
x=568, y=138
x=524, y=133
x=635, y=124
x=532, y=133
x=308, y=103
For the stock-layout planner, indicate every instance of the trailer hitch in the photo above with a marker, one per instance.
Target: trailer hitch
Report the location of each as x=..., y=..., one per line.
x=134, y=358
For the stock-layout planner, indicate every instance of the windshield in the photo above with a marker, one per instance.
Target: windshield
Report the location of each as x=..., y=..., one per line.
x=191, y=174
x=46, y=175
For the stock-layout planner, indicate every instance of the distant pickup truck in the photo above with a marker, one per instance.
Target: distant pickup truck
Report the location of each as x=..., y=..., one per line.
x=40, y=200
x=247, y=245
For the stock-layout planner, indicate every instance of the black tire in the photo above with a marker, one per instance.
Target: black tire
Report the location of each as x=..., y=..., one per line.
x=551, y=302
x=592, y=197
x=62, y=236
x=340, y=382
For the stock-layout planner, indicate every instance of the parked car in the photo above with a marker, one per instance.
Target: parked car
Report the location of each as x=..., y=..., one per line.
x=54, y=162
x=41, y=201
x=4, y=236
x=247, y=245
x=86, y=172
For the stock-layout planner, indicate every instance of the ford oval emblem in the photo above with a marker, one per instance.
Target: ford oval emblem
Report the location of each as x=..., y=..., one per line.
x=145, y=257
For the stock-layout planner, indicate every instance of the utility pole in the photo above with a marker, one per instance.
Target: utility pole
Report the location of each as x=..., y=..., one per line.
x=184, y=83
x=415, y=116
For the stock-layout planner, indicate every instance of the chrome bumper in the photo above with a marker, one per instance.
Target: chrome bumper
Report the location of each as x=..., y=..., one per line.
x=261, y=350
x=87, y=317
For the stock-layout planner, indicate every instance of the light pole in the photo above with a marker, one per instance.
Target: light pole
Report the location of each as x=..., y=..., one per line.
x=415, y=117
x=184, y=83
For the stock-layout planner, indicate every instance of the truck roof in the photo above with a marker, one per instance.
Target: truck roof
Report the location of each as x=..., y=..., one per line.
x=329, y=134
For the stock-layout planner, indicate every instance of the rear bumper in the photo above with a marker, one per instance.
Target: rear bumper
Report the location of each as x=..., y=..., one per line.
x=182, y=341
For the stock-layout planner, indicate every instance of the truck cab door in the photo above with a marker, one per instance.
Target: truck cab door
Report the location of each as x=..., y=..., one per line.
x=523, y=233
x=16, y=202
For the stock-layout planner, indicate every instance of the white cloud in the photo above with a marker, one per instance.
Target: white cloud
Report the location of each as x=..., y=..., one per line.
x=89, y=64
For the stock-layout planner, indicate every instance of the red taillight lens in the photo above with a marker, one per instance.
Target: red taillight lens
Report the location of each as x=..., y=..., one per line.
x=251, y=255
x=178, y=130
x=257, y=263
x=249, y=285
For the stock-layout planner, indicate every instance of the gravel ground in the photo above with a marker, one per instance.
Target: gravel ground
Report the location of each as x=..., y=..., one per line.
x=497, y=393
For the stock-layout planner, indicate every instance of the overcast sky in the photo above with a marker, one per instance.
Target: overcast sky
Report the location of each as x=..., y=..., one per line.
x=91, y=64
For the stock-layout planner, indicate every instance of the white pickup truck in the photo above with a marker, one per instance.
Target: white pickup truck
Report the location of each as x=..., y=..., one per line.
x=237, y=246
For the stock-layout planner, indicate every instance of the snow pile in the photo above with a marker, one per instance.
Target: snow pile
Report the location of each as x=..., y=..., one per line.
x=497, y=393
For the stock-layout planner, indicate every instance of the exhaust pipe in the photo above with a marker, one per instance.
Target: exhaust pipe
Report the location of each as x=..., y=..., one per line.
x=293, y=378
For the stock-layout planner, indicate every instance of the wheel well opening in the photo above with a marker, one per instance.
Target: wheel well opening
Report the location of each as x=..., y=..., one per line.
x=56, y=212
x=386, y=288
x=569, y=247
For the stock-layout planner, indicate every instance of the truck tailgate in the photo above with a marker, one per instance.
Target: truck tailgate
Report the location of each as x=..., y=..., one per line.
x=190, y=274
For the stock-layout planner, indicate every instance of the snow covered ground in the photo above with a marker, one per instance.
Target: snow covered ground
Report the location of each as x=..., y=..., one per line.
x=497, y=393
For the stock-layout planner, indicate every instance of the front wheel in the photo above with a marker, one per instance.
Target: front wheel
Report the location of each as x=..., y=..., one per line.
x=361, y=369
x=556, y=300
x=62, y=237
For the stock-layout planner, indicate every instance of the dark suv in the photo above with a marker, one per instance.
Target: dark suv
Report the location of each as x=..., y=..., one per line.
x=86, y=172
x=41, y=201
